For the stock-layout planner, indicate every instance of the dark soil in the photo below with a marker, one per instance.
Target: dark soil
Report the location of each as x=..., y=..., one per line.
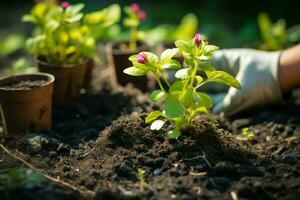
x=100, y=142
x=24, y=85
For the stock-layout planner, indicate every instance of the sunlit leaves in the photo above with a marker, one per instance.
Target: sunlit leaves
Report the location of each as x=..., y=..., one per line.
x=157, y=124
x=157, y=95
x=134, y=71
x=173, y=107
x=168, y=54
x=223, y=77
x=153, y=116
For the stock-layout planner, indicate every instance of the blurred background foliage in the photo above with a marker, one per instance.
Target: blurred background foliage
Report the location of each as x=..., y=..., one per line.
x=227, y=23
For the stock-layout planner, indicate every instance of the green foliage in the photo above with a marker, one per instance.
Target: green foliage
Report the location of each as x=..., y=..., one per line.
x=66, y=36
x=21, y=66
x=11, y=44
x=276, y=36
x=182, y=101
x=273, y=34
x=17, y=178
x=166, y=33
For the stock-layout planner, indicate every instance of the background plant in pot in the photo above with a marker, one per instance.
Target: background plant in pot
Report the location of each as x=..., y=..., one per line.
x=119, y=53
x=62, y=44
x=182, y=100
x=99, y=23
x=26, y=102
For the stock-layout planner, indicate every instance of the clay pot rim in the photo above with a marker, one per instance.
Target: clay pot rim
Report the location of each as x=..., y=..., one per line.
x=142, y=47
x=50, y=79
x=38, y=60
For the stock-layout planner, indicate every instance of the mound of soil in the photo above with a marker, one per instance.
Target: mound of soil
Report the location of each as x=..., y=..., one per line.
x=99, y=143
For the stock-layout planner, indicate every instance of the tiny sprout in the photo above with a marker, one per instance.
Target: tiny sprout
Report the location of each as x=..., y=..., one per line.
x=141, y=176
x=142, y=58
x=247, y=134
x=198, y=39
x=64, y=5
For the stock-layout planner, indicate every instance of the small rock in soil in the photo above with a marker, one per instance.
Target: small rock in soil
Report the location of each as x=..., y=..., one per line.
x=289, y=159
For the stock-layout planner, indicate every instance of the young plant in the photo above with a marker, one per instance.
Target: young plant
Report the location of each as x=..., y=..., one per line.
x=133, y=19
x=64, y=35
x=141, y=176
x=182, y=100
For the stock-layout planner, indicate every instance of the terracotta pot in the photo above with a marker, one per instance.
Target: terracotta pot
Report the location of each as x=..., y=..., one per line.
x=69, y=80
x=89, y=74
x=26, y=109
x=118, y=61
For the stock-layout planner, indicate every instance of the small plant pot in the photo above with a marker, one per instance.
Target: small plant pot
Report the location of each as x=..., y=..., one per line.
x=26, y=102
x=89, y=74
x=118, y=61
x=69, y=80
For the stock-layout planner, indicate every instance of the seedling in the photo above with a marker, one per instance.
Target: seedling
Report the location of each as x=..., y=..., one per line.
x=133, y=19
x=182, y=100
x=141, y=176
x=247, y=134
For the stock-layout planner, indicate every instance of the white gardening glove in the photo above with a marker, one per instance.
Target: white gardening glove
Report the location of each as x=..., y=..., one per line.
x=257, y=73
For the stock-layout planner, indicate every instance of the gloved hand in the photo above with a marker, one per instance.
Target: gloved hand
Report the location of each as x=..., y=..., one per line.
x=257, y=73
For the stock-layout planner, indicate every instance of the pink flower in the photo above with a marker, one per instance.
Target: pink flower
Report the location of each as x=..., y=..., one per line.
x=142, y=58
x=198, y=39
x=142, y=15
x=135, y=7
x=64, y=5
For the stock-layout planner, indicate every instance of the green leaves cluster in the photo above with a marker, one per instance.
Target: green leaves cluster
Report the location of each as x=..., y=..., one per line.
x=65, y=36
x=182, y=100
x=17, y=178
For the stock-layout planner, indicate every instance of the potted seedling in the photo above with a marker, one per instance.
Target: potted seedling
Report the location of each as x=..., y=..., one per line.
x=182, y=100
x=26, y=102
x=98, y=23
x=62, y=44
x=119, y=53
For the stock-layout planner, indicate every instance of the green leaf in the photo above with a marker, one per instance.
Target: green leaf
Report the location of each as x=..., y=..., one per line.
x=28, y=18
x=52, y=25
x=153, y=116
x=133, y=58
x=157, y=124
x=75, y=9
x=183, y=46
x=176, y=86
x=199, y=79
x=200, y=110
x=168, y=54
x=187, y=97
x=173, y=108
x=75, y=18
x=134, y=71
x=172, y=64
x=157, y=95
x=204, y=58
x=210, y=48
x=204, y=100
x=174, y=134
x=183, y=73
x=223, y=77
x=131, y=22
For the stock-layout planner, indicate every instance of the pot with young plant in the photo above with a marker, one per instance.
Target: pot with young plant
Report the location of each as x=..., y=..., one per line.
x=62, y=44
x=26, y=102
x=118, y=53
x=182, y=100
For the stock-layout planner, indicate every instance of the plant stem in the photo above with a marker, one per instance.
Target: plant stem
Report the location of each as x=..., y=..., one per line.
x=159, y=83
x=133, y=40
x=165, y=79
x=194, y=73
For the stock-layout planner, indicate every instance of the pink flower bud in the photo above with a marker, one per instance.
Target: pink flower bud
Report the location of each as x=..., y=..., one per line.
x=135, y=7
x=198, y=39
x=142, y=15
x=142, y=58
x=64, y=5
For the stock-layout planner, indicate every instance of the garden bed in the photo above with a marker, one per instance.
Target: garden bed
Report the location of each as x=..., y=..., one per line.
x=99, y=143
